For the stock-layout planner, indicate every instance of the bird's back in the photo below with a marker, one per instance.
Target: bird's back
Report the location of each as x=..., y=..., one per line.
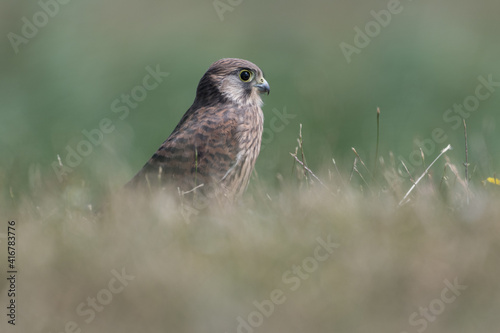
x=213, y=151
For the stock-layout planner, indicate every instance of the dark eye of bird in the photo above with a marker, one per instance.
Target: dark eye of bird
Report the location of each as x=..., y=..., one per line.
x=245, y=75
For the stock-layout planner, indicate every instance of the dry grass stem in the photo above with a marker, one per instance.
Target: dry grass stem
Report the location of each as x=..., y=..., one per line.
x=310, y=171
x=408, y=172
x=423, y=175
x=466, y=164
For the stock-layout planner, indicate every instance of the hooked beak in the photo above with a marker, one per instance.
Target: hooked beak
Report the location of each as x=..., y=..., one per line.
x=263, y=86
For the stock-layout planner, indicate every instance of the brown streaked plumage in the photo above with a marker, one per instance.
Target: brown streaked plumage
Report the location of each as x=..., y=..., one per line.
x=216, y=143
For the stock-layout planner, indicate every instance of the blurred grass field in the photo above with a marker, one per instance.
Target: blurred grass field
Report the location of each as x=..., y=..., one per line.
x=392, y=262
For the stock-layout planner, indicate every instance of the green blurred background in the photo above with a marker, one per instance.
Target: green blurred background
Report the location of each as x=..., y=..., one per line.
x=65, y=78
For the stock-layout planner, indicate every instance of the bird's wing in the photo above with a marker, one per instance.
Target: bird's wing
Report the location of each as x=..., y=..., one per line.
x=201, y=150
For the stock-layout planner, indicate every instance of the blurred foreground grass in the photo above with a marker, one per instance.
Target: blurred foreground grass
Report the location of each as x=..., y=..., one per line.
x=299, y=257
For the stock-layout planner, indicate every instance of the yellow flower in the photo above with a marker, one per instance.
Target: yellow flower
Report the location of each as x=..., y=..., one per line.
x=492, y=180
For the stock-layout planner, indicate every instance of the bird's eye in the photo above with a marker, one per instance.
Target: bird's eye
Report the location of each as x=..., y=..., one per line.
x=245, y=75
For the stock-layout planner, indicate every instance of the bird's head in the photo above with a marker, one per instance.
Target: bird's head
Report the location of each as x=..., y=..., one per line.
x=235, y=80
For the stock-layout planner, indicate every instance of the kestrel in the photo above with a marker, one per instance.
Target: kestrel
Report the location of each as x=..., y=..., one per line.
x=214, y=147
